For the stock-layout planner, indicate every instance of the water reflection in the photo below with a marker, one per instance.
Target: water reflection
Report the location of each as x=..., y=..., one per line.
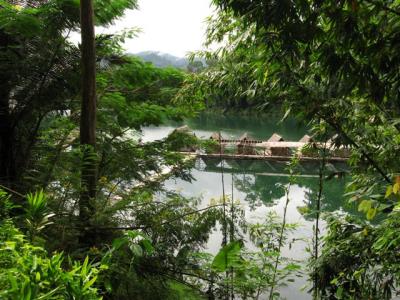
x=260, y=182
x=258, y=187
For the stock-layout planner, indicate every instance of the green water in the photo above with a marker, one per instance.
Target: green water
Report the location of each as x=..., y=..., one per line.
x=260, y=127
x=257, y=185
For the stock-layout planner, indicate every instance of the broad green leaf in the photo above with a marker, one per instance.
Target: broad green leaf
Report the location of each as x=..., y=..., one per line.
x=334, y=281
x=371, y=213
x=389, y=191
x=136, y=250
x=227, y=256
x=148, y=247
x=365, y=206
x=396, y=188
x=339, y=293
x=118, y=243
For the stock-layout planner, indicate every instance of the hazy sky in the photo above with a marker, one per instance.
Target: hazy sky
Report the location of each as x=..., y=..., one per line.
x=171, y=26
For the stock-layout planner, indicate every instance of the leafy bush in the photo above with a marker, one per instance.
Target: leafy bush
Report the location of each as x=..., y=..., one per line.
x=182, y=140
x=358, y=260
x=28, y=272
x=210, y=146
x=151, y=263
x=37, y=214
x=6, y=205
x=255, y=274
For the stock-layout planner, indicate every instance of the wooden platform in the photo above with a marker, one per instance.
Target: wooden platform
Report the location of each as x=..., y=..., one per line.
x=266, y=144
x=275, y=148
x=262, y=157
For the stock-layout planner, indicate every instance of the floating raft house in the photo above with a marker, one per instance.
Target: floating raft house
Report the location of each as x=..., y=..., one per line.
x=306, y=139
x=278, y=150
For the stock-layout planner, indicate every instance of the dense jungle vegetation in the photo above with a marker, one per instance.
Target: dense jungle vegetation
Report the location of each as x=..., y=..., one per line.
x=81, y=215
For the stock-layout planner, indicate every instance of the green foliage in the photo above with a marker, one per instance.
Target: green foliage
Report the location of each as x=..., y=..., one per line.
x=121, y=280
x=270, y=237
x=39, y=149
x=136, y=241
x=182, y=140
x=106, y=11
x=359, y=261
x=45, y=150
x=310, y=150
x=163, y=60
x=181, y=291
x=37, y=214
x=27, y=272
x=210, y=146
x=14, y=20
x=324, y=60
x=251, y=273
x=34, y=55
x=227, y=257
x=335, y=65
x=6, y=205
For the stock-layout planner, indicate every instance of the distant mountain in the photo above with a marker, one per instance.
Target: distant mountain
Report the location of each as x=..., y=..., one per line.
x=162, y=60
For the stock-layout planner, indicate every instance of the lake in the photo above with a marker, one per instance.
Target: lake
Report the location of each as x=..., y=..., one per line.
x=256, y=184
x=232, y=125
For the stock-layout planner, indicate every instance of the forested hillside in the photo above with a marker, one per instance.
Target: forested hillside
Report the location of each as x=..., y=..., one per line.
x=163, y=59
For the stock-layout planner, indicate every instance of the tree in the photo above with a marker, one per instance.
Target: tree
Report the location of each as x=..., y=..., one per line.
x=33, y=60
x=304, y=55
x=39, y=74
x=334, y=63
x=88, y=119
x=42, y=97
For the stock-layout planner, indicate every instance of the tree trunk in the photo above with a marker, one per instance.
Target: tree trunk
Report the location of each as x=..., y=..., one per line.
x=88, y=124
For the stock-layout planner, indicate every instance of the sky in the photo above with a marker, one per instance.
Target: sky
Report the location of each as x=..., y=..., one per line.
x=170, y=26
